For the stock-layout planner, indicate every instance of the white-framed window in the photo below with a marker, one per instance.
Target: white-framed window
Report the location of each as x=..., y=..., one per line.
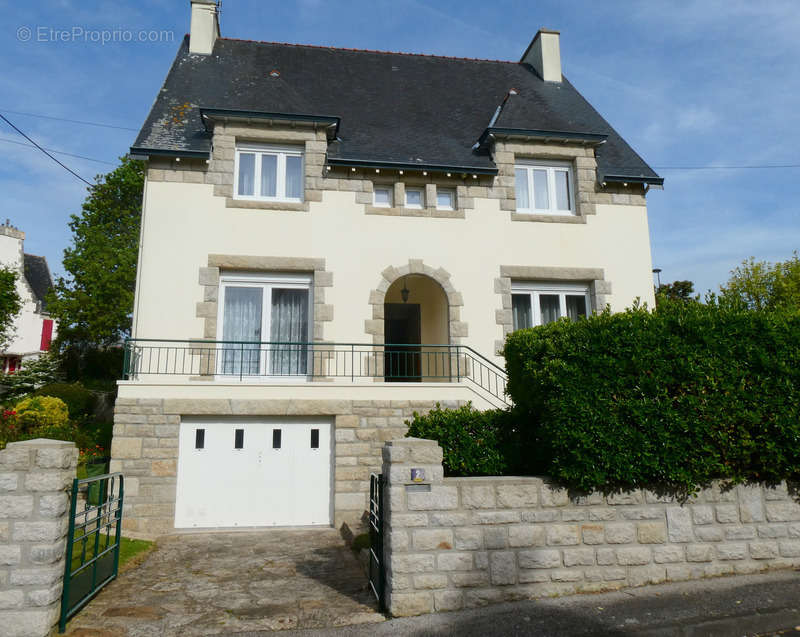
x=535, y=304
x=264, y=322
x=415, y=197
x=269, y=173
x=446, y=198
x=544, y=187
x=382, y=196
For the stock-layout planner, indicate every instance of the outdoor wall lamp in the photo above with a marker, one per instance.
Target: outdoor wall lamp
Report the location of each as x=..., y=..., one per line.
x=404, y=292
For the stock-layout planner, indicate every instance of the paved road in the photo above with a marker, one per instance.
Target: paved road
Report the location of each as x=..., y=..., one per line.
x=747, y=605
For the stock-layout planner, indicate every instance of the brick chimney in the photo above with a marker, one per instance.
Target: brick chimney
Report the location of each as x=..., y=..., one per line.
x=205, y=26
x=544, y=55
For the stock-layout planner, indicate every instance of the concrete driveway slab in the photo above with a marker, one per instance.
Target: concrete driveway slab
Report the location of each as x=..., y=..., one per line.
x=231, y=582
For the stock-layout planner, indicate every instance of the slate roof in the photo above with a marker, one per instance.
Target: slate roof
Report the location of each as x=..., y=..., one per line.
x=38, y=276
x=393, y=108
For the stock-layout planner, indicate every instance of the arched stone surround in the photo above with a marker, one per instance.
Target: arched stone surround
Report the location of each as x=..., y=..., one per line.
x=377, y=297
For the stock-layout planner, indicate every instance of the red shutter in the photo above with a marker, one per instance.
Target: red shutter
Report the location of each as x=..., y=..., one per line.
x=47, y=334
x=12, y=364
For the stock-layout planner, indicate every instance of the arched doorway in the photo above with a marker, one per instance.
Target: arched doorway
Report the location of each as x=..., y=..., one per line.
x=416, y=330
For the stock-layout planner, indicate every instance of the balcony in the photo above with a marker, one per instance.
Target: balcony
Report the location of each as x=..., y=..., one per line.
x=242, y=362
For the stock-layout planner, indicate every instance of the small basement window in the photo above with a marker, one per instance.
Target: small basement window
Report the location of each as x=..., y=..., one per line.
x=445, y=198
x=544, y=188
x=415, y=198
x=382, y=196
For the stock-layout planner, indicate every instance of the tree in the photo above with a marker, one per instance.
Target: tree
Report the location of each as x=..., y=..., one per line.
x=32, y=375
x=760, y=285
x=94, y=303
x=10, y=304
x=675, y=291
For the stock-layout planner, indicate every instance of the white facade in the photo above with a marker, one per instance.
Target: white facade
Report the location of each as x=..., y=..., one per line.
x=31, y=323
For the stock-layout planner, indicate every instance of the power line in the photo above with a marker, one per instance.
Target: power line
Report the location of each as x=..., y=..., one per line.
x=751, y=167
x=72, y=121
x=57, y=152
x=64, y=166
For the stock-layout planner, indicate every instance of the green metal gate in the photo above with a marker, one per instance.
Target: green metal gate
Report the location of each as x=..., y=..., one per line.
x=93, y=541
x=377, y=576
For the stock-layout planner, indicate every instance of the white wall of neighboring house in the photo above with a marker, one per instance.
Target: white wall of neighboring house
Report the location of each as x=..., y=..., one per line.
x=26, y=341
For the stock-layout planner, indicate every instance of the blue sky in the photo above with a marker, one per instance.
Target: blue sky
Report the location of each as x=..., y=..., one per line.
x=695, y=83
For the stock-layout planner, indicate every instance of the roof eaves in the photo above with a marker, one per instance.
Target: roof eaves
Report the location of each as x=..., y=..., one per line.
x=564, y=136
x=138, y=152
x=390, y=165
x=632, y=179
x=228, y=113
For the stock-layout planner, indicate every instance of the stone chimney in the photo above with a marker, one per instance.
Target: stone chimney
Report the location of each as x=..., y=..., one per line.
x=544, y=55
x=205, y=26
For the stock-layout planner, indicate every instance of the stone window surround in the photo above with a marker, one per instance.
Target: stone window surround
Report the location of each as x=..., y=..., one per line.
x=599, y=288
x=430, y=184
x=207, y=309
x=588, y=192
x=375, y=326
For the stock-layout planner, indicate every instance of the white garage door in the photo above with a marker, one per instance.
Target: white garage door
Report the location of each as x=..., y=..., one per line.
x=253, y=472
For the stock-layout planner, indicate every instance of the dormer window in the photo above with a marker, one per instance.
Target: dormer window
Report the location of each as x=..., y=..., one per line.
x=269, y=173
x=544, y=187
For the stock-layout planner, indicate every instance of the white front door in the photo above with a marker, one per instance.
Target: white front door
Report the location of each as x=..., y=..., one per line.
x=253, y=472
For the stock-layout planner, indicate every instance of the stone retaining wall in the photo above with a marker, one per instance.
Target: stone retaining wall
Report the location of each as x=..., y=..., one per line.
x=463, y=542
x=145, y=449
x=34, y=478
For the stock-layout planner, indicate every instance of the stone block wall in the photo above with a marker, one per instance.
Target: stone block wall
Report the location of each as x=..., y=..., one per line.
x=453, y=543
x=35, y=476
x=145, y=450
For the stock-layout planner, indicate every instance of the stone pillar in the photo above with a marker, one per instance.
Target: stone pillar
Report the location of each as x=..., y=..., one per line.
x=407, y=498
x=35, y=476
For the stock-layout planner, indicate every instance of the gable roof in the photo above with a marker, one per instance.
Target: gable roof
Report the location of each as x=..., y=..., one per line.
x=391, y=108
x=37, y=274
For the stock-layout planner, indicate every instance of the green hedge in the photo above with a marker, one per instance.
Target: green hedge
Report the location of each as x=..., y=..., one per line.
x=80, y=401
x=671, y=399
x=474, y=443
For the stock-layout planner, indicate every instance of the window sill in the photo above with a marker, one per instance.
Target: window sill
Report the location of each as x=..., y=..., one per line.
x=415, y=212
x=250, y=204
x=526, y=216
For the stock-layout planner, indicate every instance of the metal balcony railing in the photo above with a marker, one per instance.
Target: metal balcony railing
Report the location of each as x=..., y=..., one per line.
x=244, y=360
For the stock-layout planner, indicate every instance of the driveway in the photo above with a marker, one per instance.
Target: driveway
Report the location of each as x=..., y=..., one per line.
x=212, y=583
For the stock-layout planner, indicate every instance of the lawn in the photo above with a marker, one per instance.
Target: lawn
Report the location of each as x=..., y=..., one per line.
x=128, y=549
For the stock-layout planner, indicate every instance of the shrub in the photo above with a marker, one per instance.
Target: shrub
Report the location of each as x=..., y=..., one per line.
x=474, y=443
x=675, y=398
x=79, y=400
x=41, y=412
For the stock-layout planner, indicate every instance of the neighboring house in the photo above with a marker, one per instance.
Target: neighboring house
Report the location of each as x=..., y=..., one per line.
x=33, y=328
x=333, y=239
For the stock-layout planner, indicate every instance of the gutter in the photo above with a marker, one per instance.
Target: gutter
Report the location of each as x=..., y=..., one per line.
x=138, y=152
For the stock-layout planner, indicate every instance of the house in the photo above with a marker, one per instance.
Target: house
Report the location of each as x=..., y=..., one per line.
x=33, y=329
x=333, y=239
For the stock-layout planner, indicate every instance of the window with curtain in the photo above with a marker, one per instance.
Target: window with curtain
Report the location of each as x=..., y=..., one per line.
x=265, y=324
x=544, y=188
x=269, y=173
x=535, y=304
